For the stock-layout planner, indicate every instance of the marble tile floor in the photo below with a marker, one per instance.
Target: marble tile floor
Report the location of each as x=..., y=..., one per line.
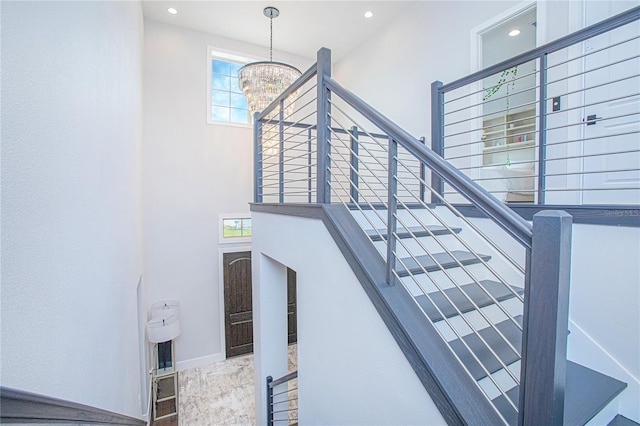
x=221, y=393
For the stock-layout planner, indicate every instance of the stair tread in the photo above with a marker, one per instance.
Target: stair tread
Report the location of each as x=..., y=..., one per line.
x=445, y=261
x=621, y=420
x=499, y=291
x=586, y=393
x=497, y=344
x=418, y=231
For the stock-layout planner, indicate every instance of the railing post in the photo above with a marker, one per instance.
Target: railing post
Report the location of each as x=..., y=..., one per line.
x=542, y=129
x=423, y=173
x=437, y=135
x=323, y=111
x=269, y=401
x=392, y=206
x=353, y=175
x=309, y=169
x=281, y=153
x=257, y=159
x=546, y=320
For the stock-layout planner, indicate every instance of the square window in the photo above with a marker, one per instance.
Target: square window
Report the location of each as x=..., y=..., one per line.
x=227, y=102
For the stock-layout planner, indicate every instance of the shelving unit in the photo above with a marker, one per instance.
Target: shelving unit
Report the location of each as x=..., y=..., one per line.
x=165, y=396
x=506, y=135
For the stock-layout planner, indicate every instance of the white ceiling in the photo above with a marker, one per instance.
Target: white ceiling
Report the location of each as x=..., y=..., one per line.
x=302, y=28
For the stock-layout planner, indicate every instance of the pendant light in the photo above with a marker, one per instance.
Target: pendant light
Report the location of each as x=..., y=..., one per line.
x=262, y=82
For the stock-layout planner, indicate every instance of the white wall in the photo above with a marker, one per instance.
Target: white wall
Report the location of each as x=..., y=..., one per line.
x=393, y=71
x=604, y=300
x=71, y=134
x=193, y=171
x=605, y=306
x=351, y=370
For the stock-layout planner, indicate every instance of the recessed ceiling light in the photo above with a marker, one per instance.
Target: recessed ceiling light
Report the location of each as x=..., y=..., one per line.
x=514, y=33
x=172, y=11
x=368, y=14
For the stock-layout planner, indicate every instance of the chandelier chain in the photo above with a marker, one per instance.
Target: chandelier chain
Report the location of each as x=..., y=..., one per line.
x=271, y=38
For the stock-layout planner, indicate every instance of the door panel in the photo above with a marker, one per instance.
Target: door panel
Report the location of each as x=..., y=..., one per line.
x=291, y=306
x=237, y=303
x=612, y=96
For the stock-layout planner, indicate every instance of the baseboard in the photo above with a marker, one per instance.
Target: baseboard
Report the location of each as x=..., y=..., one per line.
x=199, y=362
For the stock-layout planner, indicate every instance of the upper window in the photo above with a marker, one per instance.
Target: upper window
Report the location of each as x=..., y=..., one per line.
x=227, y=103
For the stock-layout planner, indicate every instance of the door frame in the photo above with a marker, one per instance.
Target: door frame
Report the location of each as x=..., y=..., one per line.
x=522, y=7
x=221, y=251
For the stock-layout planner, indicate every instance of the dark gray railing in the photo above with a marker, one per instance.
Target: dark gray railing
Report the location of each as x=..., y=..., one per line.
x=277, y=413
x=537, y=145
x=17, y=406
x=371, y=164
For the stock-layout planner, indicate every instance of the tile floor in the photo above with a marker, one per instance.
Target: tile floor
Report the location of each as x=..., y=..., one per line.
x=221, y=393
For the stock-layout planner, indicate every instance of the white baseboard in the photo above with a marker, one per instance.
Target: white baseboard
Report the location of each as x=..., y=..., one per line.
x=199, y=362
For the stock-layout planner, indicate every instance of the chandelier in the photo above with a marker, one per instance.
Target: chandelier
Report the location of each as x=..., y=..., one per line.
x=262, y=82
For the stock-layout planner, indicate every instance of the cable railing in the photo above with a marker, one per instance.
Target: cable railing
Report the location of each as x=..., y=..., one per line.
x=346, y=152
x=558, y=125
x=425, y=268
x=282, y=400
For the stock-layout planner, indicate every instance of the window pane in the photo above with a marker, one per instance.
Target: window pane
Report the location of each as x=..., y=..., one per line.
x=231, y=228
x=239, y=101
x=234, y=85
x=233, y=69
x=246, y=227
x=220, y=67
x=220, y=82
x=220, y=113
x=228, y=103
x=239, y=115
x=220, y=97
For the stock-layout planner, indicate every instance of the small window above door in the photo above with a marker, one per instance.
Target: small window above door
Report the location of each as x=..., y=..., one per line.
x=235, y=228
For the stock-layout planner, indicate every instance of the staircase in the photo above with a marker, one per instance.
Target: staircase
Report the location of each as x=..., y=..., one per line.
x=486, y=353
x=479, y=306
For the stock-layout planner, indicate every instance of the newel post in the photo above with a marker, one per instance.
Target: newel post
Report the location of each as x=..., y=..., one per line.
x=323, y=111
x=546, y=321
x=257, y=159
x=269, y=401
x=437, y=135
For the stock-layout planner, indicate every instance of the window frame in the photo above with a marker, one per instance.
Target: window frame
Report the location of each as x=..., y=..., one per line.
x=226, y=56
x=232, y=240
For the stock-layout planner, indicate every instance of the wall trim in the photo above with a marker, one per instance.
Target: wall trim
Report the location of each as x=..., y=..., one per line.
x=200, y=362
x=19, y=406
x=617, y=215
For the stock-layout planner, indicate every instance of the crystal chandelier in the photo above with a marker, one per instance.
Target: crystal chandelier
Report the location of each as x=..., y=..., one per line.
x=262, y=82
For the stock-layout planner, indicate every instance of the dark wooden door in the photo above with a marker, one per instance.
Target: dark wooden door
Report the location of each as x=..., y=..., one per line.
x=292, y=313
x=237, y=304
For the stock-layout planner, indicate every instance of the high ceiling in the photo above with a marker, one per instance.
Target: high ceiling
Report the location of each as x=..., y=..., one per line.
x=302, y=27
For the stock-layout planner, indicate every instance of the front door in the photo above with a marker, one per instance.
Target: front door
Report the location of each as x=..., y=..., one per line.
x=238, y=316
x=237, y=303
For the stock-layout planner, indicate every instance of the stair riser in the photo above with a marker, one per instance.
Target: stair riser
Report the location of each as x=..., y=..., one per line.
x=369, y=219
x=493, y=313
x=407, y=247
x=440, y=278
x=502, y=379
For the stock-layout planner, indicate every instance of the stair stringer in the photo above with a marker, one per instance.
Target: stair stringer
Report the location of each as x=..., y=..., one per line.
x=454, y=392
